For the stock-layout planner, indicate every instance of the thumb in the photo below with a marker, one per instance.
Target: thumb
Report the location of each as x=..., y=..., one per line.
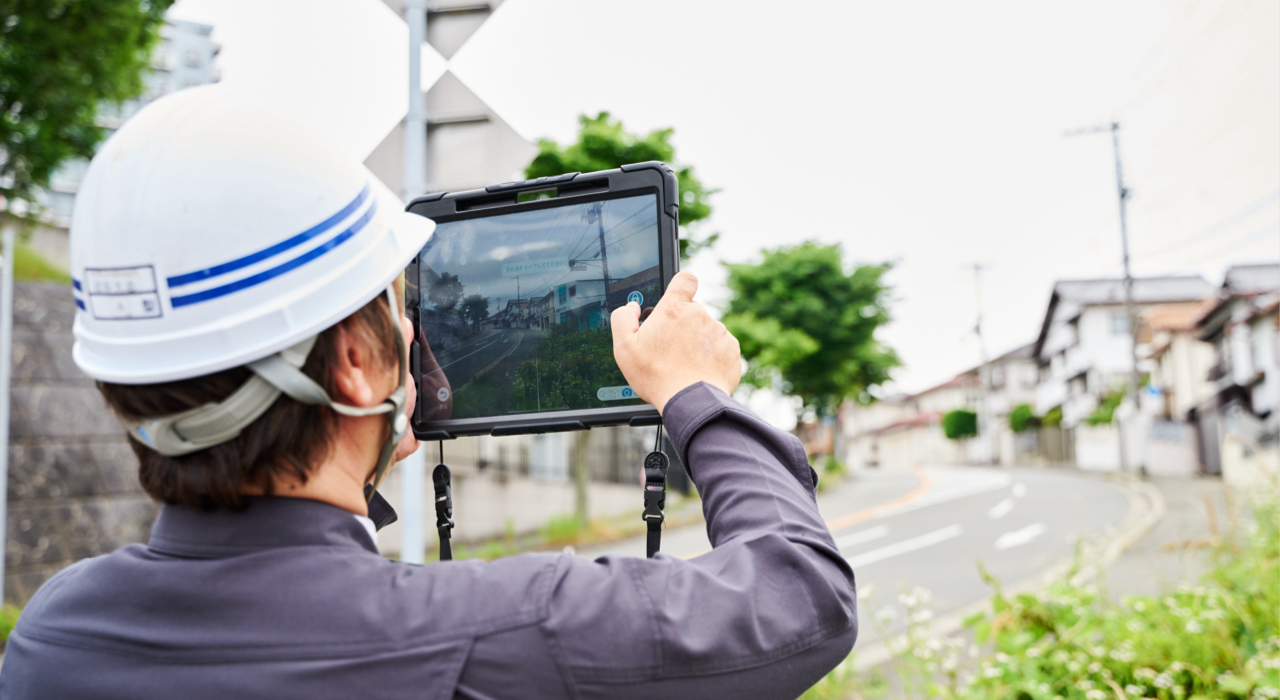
x=682, y=288
x=624, y=321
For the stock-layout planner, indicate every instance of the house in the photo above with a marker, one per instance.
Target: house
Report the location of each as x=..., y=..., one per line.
x=1008, y=381
x=1239, y=426
x=1179, y=366
x=1085, y=351
x=901, y=432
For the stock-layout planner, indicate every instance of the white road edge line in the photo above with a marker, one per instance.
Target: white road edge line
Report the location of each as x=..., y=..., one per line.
x=856, y=538
x=1020, y=537
x=1001, y=509
x=911, y=545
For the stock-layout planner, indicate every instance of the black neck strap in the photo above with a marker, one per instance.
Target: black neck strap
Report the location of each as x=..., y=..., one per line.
x=444, y=505
x=655, y=495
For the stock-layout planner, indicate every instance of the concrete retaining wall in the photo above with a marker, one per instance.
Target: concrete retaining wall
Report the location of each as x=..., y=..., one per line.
x=73, y=488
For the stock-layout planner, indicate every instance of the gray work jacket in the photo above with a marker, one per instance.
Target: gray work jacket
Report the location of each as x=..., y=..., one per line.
x=290, y=598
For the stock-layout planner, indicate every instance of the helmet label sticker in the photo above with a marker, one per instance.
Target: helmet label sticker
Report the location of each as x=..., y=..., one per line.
x=122, y=293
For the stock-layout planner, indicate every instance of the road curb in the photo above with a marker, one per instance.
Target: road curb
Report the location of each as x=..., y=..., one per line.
x=1146, y=508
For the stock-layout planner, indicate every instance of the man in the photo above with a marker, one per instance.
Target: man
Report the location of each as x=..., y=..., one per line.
x=234, y=275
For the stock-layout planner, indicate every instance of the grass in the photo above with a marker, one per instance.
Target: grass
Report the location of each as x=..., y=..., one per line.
x=29, y=265
x=8, y=618
x=569, y=530
x=1217, y=640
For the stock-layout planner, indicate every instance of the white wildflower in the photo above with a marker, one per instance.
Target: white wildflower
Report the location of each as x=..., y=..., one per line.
x=1096, y=695
x=1035, y=652
x=1164, y=680
x=1134, y=689
x=1194, y=627
x=1094, y=667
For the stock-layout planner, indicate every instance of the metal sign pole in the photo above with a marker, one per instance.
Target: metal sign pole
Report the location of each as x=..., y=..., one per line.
x=413, y=470
x=6, y=357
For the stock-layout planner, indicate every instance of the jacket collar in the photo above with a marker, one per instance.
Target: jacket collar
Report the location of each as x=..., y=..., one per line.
x=267, y=523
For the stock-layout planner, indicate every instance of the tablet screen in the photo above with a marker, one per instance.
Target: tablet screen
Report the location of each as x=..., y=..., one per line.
x=515, y=308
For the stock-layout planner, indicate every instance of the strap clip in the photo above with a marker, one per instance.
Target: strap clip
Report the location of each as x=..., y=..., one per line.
x=444, y=508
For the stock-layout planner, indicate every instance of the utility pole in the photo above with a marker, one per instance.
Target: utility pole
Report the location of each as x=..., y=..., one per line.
x=604, y=254
x=1122, y=193
x=6, y=358
x=413, y=470
x=984, y=385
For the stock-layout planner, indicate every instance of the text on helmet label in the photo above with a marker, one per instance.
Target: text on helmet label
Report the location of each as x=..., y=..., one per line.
x=121, y=293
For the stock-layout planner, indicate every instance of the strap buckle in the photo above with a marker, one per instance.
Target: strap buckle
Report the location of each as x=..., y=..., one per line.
x=444, y=497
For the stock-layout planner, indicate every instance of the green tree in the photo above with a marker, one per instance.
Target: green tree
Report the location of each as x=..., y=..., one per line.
x=800, y=314
x=1022, y=418
x=60, y=61
x=960, y=424
x=475, y=309
x=603, y=144
x=445, y=292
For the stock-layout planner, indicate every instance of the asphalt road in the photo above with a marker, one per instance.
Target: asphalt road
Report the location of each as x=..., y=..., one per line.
x=930, y=529
x=499, y=351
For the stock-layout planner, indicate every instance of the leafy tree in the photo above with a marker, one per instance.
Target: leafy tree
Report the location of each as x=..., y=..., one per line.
x=60, y=60
x=571, y=365
x=1022, y=418
x=475, y=309
x=603, y=144
x=445, y=292
x=798, y=313
x=960, y=424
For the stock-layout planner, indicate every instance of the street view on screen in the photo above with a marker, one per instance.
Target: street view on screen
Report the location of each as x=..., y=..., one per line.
x=515, y=308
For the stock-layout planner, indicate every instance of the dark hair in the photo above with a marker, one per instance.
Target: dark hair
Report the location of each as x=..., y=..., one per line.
x=289, y=439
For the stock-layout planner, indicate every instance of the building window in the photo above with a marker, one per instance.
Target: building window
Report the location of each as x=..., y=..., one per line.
x=193, y=58
x=573, y=290
x=1119, y=324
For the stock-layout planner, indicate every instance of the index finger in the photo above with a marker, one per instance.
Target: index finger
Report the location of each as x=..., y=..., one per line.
x=682, y=288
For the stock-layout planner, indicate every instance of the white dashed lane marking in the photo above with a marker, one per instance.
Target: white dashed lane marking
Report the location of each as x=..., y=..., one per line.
x=856, y=538
x=1001, y=509
x=1020, y=537
x=911, y=545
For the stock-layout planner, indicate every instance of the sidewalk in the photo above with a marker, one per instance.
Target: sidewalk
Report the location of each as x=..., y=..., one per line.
x=1197, y=512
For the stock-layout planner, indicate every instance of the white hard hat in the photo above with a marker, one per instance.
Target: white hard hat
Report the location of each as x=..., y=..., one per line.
x=214, y=229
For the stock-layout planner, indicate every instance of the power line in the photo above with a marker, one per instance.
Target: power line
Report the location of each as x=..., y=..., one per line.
x=1242, y=242
x=1224, y=223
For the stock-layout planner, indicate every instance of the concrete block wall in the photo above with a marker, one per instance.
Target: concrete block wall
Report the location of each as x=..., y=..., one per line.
x=73, y=489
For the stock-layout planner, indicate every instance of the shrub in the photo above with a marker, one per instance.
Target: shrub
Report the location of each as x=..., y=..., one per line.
x=1219, y=640
x=1052, y=418
x=960, y=424
x=1022, y=418
x=1107, y=409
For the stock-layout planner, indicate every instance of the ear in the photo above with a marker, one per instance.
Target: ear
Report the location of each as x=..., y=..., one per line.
x=354, y=371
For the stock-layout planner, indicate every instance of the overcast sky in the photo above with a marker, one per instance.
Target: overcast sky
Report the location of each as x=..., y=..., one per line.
x=927, y=133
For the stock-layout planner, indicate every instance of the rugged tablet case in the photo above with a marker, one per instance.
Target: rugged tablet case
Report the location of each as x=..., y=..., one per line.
x=650, y=177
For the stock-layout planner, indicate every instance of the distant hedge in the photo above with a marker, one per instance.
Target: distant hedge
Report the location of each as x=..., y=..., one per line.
x=960, y=424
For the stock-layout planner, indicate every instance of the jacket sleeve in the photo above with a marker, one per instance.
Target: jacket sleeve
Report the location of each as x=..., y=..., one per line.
x=765, y=614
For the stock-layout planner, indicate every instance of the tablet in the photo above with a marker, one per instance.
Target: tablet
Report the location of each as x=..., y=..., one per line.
x=511, y=300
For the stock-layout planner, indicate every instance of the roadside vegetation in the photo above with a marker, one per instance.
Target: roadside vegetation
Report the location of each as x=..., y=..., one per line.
x=1217, y=640
x=30, y=266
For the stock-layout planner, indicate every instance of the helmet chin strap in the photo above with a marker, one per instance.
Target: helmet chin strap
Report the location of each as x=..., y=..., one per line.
x=281, y=373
